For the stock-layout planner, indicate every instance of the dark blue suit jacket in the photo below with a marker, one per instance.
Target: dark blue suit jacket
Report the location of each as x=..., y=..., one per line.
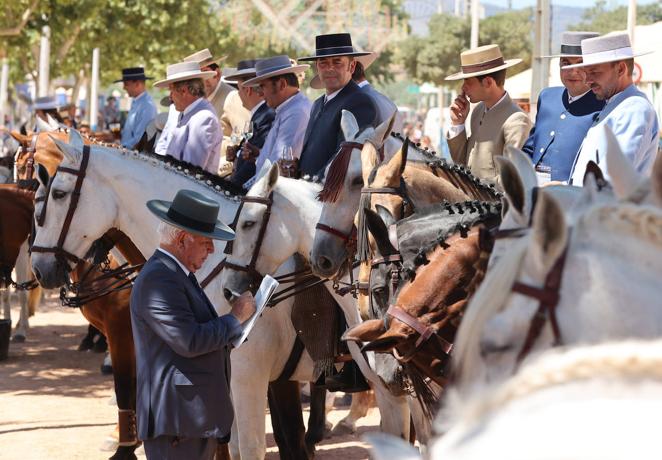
x=324, y=134
x=560, y=129
x=182, y=355
x=262, y=120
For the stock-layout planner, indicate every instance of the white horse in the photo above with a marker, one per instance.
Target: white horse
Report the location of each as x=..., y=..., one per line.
x=291, y=229
x=113, y=195
x=601, y=402
x=609, y=289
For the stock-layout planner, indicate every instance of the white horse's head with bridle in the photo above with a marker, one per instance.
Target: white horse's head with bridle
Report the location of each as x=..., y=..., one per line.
x=342, y=192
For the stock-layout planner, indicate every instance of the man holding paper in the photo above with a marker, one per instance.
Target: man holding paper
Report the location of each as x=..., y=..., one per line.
x=183, y=405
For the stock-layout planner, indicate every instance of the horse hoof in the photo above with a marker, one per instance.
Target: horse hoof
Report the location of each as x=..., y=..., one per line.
x=125, y=453
x=18, y=338
x=342, y=429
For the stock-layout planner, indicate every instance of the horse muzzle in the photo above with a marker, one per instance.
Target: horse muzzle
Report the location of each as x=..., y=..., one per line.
x=50, y=271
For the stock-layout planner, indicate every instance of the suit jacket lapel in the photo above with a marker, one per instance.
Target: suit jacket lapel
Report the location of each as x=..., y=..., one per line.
x=314, y=115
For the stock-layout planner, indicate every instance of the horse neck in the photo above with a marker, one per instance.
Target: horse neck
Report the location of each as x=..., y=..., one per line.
x=299, y=211
x=426, y=188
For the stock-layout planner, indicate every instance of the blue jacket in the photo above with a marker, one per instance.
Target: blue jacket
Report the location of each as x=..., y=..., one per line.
x=262, y=120
x=560, y=129
x=182, y=355
x=142, y=112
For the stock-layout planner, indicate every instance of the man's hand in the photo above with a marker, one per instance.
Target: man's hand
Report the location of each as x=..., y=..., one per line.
x=231, y=153
x=459, y=110
x=243, y=307
x=249, y=151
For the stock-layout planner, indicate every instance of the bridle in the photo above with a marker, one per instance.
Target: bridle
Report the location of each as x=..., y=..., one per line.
x=58, y=250
x=30, y=151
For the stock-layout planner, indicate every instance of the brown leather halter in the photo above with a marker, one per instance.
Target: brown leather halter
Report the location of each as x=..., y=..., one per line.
x=424, y=331
x=58, y=250
x=30, y=151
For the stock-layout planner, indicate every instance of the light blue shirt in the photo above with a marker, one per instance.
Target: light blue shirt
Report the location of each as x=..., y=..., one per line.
x=287, y=130
x=197, y=136
x=166, y=135
x=142, y=112
x=634, y=122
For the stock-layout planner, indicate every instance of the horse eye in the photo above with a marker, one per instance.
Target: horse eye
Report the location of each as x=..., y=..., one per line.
x=357, y=181
x=59, y=194
x=248, y=224
x=378, y=290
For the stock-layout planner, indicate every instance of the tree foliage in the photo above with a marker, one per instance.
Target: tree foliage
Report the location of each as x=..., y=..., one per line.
x=601, y=19
x=432, y=58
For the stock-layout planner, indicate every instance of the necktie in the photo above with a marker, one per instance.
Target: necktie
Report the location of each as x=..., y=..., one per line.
x=194, y=281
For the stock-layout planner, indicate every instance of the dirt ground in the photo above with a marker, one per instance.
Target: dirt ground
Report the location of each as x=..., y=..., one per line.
x=55, y=404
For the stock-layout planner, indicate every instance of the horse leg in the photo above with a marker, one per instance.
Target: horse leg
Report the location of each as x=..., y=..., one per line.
x=287, y=419
x=249, y=384
x=361, y=403
x=34, y=298
x=23, y=274
x=4, y=299
x=317, y=417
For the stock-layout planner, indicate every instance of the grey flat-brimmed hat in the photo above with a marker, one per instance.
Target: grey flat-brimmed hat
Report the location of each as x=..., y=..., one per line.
x=482, y=61
x=45, y=103
x=193, y=212
x=181, y=71
x=273, y=67
x=607, y=48
x=245, y=70
x=331, y=45
x=571, y=44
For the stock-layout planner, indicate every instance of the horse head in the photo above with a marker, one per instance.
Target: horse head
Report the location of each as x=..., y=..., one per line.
x=68, y=219
x=341, y=195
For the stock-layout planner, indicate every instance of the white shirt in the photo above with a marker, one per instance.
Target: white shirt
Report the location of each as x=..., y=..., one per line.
x=572, y=99
x=455, y=130
x=254, y=109
x=181, y=265
x=328, y=97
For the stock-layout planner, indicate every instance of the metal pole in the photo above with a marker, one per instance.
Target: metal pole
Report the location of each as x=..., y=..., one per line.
x=541, y=47
x=458, y=8
x=632, y=19
x=4, y=79
x=94, y=91
x=474, y=23
x=44, y=64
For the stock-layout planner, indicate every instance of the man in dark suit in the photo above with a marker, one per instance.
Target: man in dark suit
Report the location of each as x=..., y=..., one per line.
x=564, y=115
x=262, y=117
x=334, y=61
x=183, y=402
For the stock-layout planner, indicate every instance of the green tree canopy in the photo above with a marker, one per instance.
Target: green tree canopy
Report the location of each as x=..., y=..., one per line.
x=601, y=19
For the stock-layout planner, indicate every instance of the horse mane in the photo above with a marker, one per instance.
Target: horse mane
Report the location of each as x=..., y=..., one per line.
x=430, y=227
x=631, y=360
x=644, y=222
x=193, y=171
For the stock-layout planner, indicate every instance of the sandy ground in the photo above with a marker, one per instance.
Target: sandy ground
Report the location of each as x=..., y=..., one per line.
x=55, y=404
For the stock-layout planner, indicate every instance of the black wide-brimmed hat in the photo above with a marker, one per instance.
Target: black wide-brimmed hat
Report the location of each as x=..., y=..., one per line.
x=193, y=212
x=133, y=73
x=245, y=69
x=331, y=45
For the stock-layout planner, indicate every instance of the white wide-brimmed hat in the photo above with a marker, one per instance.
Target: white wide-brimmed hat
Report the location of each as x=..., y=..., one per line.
x=204, y=58
x=366, y=61
x=482, y=61
x=571, y=44
x=607, y=48
x=184, y=71
x=46, y=103
x=273, y=67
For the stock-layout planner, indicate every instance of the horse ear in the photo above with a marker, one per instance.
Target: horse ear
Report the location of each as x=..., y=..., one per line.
x=385, y=215
x=624, y=178
x=349, y=125
x=550, y=233
x=526, y=172
x=383, y=130
x=593, y=170
x=386, y=341
x=512, y=184
x=43, y=126
x=23, y=139
x=405, y=153
x=69, y=151
x=369, y=161
x=388, y=447
x=365, y=331
x=272, y=177
x=379, y=230
x=396, y=165
x=42, y=175
x=76, y=140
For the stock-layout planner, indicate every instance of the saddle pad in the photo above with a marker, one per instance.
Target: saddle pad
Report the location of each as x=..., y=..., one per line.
x=315, y=316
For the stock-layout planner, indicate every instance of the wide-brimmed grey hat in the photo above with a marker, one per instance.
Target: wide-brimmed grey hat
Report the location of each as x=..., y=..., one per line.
x=193, y=212
x=46, y=103
x=571, y=44
x=245, y=70
x=273, y=67
x=331, y=45
x=607, y=48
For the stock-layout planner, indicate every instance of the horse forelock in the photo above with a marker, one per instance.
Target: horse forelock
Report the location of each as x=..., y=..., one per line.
x=335, y=176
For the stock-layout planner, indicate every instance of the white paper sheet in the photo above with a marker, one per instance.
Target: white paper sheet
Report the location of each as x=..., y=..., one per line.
x=262, y=297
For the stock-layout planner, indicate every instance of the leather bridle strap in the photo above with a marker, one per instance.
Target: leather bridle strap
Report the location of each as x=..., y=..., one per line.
x=335, y=232
x=548, y=296
x=59, y=250
x=29, y=163
x=425, y=333
x=386, y=259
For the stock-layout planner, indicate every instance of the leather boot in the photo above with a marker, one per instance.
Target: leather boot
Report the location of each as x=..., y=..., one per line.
x=348, y=380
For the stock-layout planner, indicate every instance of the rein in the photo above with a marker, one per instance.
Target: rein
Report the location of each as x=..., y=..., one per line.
x=29, y=163
x=58, y=250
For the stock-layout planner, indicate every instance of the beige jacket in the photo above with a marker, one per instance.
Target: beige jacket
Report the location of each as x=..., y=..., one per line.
x=491, y=130
x=231, y=113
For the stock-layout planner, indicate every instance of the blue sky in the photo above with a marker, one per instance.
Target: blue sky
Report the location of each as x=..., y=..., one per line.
x=580, y=3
